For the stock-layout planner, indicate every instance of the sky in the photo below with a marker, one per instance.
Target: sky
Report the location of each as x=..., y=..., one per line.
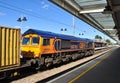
x=43, y=15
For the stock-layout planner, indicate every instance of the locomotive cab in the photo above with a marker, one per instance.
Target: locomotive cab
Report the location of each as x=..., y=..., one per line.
x=31, y=46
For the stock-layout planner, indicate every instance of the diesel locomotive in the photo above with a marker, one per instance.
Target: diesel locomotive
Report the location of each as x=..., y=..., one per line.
x=47, y=48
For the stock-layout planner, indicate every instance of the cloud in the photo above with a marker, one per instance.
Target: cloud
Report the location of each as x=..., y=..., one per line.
x=44, y=5
x=2, y=14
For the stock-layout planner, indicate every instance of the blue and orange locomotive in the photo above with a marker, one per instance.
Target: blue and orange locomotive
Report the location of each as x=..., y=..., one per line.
x=47, y=48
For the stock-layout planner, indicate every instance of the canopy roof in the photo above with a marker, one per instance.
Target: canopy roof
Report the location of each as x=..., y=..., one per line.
x=104, y=15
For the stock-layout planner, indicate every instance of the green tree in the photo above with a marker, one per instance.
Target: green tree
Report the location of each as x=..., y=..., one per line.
x=108, y=41
x=98, y=37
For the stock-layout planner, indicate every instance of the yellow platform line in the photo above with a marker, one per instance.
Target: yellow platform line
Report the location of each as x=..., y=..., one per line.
x=87, y=70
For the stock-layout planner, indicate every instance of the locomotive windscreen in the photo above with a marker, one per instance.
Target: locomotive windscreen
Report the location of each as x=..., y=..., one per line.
x=26, y=41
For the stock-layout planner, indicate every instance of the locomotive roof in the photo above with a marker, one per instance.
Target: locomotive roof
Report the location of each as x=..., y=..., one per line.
x=54, y=35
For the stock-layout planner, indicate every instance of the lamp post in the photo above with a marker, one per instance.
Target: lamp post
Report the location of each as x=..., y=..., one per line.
x=21, y=20
x=63, y=29
x=81, y=34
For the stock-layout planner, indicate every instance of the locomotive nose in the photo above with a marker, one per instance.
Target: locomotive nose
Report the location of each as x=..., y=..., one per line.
x=27, y=54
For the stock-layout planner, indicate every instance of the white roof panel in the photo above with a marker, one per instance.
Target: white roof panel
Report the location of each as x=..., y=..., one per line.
x=92, y=12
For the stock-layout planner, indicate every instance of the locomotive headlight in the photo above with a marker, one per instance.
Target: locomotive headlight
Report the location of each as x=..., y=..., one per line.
x=21, y=56
x=36, y=55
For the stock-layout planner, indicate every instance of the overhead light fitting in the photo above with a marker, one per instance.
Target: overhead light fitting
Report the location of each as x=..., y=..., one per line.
x=92, y=11
x=108, y=29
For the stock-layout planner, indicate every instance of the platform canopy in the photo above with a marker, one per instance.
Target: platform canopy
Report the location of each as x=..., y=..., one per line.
x=104, y=15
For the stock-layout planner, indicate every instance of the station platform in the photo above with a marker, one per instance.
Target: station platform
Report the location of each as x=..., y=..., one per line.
x=104, y=69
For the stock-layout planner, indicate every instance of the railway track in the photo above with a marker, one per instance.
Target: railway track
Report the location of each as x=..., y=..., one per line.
x=31, y=75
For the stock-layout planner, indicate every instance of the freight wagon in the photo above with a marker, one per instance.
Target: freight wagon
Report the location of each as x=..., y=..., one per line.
x=9, y=50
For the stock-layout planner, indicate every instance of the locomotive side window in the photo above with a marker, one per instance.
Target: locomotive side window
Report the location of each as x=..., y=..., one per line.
x=35, y=41
x=26, y=41
x=46, y=41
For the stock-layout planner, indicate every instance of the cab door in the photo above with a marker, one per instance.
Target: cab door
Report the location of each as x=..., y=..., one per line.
x=57, y=44
x=35, y=45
